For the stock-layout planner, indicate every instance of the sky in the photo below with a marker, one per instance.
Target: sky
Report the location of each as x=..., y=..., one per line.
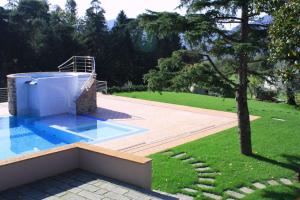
x=132, y=8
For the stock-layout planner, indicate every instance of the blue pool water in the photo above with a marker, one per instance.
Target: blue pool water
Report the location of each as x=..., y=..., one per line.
x=22, y=135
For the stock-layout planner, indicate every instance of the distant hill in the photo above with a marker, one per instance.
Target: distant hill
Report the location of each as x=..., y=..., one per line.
x=110, y=24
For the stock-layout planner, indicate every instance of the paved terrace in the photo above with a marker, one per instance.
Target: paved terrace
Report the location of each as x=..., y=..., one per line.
x=168, y=125
x=80, y=185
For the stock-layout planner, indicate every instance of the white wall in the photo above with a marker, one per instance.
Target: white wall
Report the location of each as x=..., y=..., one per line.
x=52, y=94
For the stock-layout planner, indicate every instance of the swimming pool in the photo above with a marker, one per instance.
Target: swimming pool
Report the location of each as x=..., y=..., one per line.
x=22, y=135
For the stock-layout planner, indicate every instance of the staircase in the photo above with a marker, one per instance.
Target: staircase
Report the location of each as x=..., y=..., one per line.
x=85, y=98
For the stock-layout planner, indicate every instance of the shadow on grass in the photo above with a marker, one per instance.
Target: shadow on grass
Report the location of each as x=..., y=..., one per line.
x=292, y=164
x=293, y=193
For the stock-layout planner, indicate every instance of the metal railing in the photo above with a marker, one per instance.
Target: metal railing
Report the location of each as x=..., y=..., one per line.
x=3, y=95
x=78, y=64
x=101, y=86
x=81, y=64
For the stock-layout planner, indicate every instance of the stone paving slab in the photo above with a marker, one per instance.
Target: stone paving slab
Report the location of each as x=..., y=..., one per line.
x=235, y=194
x=81, y=185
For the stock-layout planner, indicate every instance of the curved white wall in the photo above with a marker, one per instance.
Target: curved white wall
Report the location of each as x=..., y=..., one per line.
x=50, y=93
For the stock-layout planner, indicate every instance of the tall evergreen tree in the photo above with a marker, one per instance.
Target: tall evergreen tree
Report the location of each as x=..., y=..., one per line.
x=204, y=27
x=71, y=12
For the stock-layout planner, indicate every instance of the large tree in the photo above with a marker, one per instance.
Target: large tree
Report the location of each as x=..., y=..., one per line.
x=203, y=27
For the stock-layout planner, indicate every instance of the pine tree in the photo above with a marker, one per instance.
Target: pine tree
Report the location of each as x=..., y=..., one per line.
x=203, y=27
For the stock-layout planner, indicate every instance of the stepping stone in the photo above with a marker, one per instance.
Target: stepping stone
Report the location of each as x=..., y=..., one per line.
x=203, y=169
x=189, y=190
x=235, y=194
x=204, y=187
x=246, y=190
x=286, y=181
x=198, y=164
x=183, y=197
x=179, y=155
x=188, y=159
x=273, y=182
x=259, y=185
x=211, y=180
x=207, y=174
x=212, y=196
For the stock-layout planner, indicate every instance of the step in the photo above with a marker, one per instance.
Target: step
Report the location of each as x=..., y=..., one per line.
x=190, y=190
x=246, y=190
x=205, y=187
x=286, y=181
x=183, y=197
x=207, y=174
x=178, y=156
x=188, y=159
x=272, y=182
x=203, y=169
x=209, y=180
x=235, y=194
x=198, y=164
x=212, y=196
x=259, y=185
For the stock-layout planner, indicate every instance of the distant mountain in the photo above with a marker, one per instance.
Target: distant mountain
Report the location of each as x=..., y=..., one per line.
x=110, y=24
x=264, y=20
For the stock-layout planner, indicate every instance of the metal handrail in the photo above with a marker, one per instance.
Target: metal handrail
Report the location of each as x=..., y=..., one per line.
x=101, y=86
x=81, y=64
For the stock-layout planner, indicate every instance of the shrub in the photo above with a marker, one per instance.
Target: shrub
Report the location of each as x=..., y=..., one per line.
x=265, y=94
x=126, y=88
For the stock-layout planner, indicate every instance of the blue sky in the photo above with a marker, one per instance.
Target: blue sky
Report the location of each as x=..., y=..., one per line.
x=113, y=7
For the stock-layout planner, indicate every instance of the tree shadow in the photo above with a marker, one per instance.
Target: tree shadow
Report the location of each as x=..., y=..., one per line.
x=292, y=164
x=293, y=193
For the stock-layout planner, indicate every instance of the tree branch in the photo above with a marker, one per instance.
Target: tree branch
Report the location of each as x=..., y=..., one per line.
x=227, y=17
x=219, y=72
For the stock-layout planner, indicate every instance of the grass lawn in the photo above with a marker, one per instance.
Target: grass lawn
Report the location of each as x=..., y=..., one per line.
x=276, y=144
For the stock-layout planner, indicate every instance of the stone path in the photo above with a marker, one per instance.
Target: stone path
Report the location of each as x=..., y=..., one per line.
x=80, y=185
x=206, y=177
x=206, y=181
x=244, y=191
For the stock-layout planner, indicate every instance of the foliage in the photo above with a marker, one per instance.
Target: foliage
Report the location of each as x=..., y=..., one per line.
x=276, y=145
x=183, y=69
x=126, y=88
x=36, y=38
x=285, y=44
x=265, y=94
x=284, y=34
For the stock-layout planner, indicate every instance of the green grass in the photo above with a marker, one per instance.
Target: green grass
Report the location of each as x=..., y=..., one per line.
x=276, y=145
x=276, y=193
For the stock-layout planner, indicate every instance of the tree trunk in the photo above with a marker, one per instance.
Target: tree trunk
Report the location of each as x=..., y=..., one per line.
x=241, y=94
x=290, y=93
